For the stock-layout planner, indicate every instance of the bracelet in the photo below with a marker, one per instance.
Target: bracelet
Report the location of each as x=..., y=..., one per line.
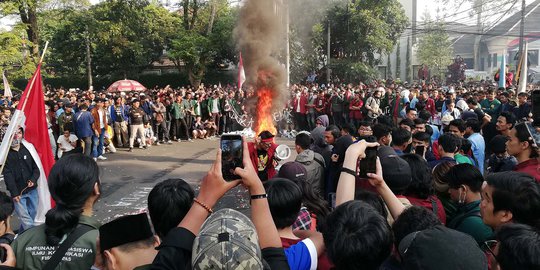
x=210, y=211
x=349, y=171
x=259, y=196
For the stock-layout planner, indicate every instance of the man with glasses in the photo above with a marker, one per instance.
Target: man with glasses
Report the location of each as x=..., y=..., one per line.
x=261, y=152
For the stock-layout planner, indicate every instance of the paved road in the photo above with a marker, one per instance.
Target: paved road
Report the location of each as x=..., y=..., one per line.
x=127, y=178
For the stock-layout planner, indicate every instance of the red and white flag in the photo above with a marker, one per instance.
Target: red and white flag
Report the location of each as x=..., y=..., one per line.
x=30, y=115
x=7, y=89
x=241, y=73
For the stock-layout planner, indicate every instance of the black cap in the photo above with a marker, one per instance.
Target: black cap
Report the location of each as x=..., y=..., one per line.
x=441, y=248
x=124, y=230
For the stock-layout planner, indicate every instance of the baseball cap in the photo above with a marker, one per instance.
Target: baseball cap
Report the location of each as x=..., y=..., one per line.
x=469, y=115
x=293, y=170
x=441, y=248
x=396, y=172
x=227, y=240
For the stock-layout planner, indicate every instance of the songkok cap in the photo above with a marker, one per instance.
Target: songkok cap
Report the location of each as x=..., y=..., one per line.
x=124, y=230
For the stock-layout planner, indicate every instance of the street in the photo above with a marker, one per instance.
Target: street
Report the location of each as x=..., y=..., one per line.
x=127, y=178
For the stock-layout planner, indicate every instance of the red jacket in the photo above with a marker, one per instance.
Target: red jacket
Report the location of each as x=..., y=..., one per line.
x=271, y=170
x=430, y=106
x=95, y=114
x=530, y=167
x=303, y=102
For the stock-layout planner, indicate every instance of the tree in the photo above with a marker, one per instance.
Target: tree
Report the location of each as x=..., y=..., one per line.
x=14, y=58
x=408, y=67
x=398, y=61
x=389, y=67
x=434, y=48
x=205, y=38
x=361, y=30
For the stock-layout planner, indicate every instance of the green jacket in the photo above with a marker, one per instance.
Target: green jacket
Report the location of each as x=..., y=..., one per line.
x=493, y=108
x=177, y=110
x=468, y=220
x=211, y=102
x=32, y=251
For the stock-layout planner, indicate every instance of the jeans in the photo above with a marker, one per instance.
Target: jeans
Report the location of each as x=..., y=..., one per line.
x=311, y=120
x=26, y=209
x=121, y=133
x=180, y=128
x=87, y=145
x=97, y=144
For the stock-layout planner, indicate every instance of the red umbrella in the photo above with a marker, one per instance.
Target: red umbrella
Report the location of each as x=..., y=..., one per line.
x=126, y=86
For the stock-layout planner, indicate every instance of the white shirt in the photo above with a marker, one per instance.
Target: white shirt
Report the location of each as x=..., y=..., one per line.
x=298, y=104
x=66, y=143
x=101, y=124
x=215, y=108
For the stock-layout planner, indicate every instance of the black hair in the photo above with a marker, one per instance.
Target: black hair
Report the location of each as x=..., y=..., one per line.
x=472, y=101
x=422, y=136
x=311, y=198
x=381, y=130
x=518, y=193
x=285, y=201
x=421, y=185
x=385, y=120
x=334, y=130
x=459, y=123
x=419, y=121
x=71, y=183
x=429, y=130
x=356, y=236
x=364, y=123
x=6, y=206
x=424, y=115
x=407, y=122
x=523, y=135
x=510, y=118
x=266, y=135
x=519, y=246
x=449, y=142
x=449, y=101
x=413, y=219
x=373, y=199
x=408, y=109
x=303, y=140
x=474, y=124
x=464, y=174
x=168, y=203
x=83, y=106
x=400, y=136
x=347, y=128
x=465, y=145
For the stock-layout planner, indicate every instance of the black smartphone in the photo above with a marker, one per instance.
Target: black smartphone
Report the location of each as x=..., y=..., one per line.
x=231, y=156
x=535, y=97
x=419, y=150
x=369, y=163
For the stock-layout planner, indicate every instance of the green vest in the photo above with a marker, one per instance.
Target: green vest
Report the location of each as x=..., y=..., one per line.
x=32, y=251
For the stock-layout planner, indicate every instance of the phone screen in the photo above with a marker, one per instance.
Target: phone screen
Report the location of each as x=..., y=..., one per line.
x=369, y=163
x=536, y=107
x=419, y=150
x=231, y=155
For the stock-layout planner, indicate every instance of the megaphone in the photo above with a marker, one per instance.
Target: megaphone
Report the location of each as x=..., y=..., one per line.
x=283, y=152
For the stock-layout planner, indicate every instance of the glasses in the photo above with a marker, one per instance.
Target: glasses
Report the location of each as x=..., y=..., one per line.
x=489, y=246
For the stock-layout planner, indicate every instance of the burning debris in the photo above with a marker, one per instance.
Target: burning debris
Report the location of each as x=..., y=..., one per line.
x=259, y=34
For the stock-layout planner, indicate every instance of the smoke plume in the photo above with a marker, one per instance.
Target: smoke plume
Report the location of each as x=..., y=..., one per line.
x=259, y=34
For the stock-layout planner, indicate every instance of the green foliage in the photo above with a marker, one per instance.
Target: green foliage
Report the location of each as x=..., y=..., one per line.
x=14, y=55
x=434, y=48
x=361, y=30
x=352, y=71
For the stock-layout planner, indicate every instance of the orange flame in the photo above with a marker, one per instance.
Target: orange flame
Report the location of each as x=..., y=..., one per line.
x=264, y=120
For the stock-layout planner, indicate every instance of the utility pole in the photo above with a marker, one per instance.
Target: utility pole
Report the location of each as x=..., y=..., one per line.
x=479, y=8
x=328, y=54
x=522, y=31
x=88, y=60
x=287, y=44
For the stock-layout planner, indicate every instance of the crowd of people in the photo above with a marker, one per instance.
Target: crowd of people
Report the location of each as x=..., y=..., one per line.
x=456, y=183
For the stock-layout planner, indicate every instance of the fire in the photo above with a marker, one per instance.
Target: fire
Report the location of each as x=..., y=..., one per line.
x=264, y=120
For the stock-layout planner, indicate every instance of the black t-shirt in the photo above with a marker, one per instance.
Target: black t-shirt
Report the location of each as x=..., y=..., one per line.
x=480, y=114
x=262, y=166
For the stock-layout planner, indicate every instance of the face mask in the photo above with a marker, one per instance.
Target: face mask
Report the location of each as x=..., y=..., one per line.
x=16, y=142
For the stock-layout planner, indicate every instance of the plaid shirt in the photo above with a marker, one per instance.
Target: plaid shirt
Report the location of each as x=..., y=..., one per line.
x=303, y=221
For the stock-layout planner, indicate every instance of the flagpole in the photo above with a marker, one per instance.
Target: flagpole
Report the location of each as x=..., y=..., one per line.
x=24, y=103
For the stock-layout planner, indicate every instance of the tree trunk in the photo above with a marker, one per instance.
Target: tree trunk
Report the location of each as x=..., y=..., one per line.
x=194, y=13
x=186, y=14
x=29, y=17
x=212, y=17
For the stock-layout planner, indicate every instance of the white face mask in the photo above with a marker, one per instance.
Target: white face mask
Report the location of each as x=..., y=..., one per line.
x=16, y=142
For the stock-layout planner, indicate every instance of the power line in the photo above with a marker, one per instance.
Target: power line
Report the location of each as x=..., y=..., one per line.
x=469, y=9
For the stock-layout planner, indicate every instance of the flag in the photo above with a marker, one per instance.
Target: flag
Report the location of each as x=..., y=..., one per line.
x=7, y=89
x=30, y=115
x=522, y=87
x=502, y=74
x=241, y=73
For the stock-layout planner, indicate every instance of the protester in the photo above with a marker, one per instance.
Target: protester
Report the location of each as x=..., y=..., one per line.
x=75, y=187
x=521, y=145
x=261, y=152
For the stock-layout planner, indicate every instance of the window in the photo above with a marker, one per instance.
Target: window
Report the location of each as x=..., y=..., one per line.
x=489, y=60
x=494, y=60
x=532, y=57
